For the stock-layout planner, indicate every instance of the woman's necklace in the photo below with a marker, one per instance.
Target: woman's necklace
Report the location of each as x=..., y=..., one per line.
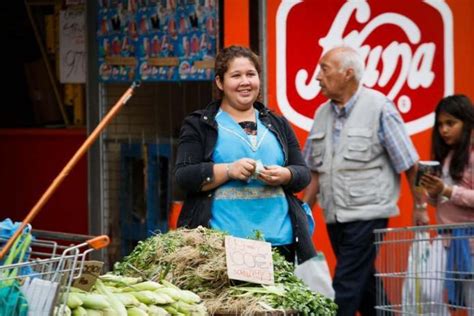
x=250, y=128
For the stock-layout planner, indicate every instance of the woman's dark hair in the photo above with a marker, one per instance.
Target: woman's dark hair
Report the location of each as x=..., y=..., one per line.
x=459, y=106
x=228, y=54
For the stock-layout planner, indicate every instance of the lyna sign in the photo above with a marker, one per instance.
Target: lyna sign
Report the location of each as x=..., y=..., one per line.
x=407, y=46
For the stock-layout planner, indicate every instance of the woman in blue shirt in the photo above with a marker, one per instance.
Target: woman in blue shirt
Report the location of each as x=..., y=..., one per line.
x=239, y=164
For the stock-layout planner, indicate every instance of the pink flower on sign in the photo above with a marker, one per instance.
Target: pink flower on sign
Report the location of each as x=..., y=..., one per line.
x=407, y=46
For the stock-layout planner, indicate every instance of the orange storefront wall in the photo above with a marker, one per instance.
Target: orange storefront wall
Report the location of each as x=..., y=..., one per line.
x=463, y=26
x=236, y=32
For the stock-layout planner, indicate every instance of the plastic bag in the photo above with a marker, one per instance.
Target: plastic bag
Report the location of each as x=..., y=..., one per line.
x=7, y=229
x=416, y=270
x=12, y=300
x=433, y=284
x=315, y=274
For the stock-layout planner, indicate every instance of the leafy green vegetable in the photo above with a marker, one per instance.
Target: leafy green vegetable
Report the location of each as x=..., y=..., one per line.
x=195, y=260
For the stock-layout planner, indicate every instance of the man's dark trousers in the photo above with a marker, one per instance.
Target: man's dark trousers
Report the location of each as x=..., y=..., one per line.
x=354, y=280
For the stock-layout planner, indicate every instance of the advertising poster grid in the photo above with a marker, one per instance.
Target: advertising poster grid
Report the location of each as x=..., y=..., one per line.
x=157, y=40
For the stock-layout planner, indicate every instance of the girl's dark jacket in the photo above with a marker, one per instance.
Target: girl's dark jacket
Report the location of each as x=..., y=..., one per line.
x=194, y=167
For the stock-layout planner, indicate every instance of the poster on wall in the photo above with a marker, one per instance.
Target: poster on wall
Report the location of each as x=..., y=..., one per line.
x=72, y=46
x=157, y=40
x=406, y=58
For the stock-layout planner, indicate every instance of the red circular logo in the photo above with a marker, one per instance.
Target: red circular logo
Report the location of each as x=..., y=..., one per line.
x=407, y=47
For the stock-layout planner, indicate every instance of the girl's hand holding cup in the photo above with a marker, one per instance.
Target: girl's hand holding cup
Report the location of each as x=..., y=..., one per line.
x=432, y=184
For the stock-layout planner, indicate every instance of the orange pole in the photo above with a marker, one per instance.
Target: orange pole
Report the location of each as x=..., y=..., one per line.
x=67, y=169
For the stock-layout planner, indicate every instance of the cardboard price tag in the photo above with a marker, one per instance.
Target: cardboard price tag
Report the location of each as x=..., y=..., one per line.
x=90, y=273
x=249, y=260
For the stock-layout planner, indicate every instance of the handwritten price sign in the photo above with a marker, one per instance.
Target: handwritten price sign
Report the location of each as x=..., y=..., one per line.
x=249, y=260
x=90, y=273
x=72, y=46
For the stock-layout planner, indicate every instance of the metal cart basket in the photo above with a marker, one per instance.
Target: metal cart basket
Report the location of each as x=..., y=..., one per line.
x=54, y=261
x=425, y=270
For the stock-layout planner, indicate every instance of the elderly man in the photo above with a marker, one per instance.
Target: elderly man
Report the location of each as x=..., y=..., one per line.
x=357, y=148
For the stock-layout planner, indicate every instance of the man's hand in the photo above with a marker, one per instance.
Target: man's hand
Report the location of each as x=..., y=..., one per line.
x=312, y=189
x=420, y=217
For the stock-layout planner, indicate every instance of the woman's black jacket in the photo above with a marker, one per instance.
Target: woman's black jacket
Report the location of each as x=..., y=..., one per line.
x=194, y=167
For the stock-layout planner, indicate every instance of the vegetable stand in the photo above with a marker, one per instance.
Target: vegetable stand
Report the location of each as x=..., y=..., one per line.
x=38, y=272
x=195, y=260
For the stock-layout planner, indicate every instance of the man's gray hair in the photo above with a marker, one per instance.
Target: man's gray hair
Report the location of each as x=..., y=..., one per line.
x=350, y=58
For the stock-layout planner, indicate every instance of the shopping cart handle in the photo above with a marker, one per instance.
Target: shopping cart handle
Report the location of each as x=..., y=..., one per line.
x=99, y=242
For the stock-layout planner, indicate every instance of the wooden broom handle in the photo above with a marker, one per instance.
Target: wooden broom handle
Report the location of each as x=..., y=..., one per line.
x=72, y=162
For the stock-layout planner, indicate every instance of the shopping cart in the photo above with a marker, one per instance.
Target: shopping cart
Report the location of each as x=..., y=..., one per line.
x=425, y=270
x=54, y=261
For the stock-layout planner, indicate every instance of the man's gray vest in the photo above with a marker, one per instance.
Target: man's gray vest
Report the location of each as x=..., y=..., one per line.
x=356, y=178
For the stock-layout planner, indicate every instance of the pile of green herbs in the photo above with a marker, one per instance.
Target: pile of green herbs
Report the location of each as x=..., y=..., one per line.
x=194, y=259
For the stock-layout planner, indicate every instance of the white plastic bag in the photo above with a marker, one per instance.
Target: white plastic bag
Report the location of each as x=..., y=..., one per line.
x=315, y=274
x=416, y=270
x=433, y=284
